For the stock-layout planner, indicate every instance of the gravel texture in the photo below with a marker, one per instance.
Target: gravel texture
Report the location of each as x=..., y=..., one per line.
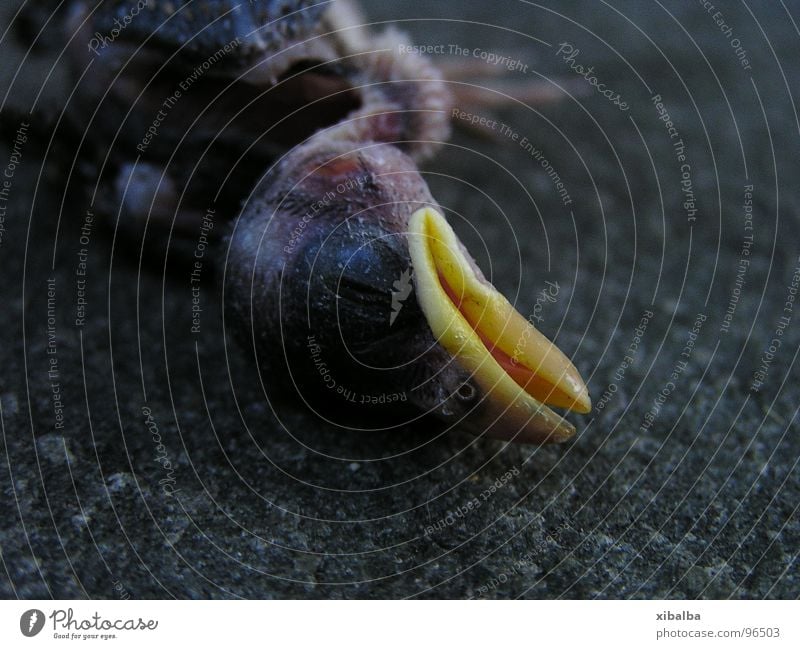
x=684, y=484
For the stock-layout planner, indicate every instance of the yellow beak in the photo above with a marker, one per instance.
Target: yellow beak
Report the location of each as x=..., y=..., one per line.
x=519, y=371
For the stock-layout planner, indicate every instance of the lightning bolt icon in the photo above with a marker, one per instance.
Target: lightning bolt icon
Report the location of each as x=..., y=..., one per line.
x=402, y=289
x=32, y=621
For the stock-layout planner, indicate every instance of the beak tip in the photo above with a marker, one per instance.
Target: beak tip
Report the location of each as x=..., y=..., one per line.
x=522, y=370
x=583, y=404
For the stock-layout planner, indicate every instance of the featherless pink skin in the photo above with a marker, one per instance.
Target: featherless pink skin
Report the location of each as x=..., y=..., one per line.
x=340, y=258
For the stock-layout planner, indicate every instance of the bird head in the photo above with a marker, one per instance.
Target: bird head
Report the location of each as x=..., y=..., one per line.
x=343, y=272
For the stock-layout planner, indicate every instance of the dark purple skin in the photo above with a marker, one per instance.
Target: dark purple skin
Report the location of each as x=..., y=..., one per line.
x=326, y=287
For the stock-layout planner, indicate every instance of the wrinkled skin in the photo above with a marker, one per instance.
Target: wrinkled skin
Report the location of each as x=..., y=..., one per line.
x=316, y=300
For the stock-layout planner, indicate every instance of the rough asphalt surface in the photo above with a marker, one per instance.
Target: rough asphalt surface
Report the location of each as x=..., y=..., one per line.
x=683, y=485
